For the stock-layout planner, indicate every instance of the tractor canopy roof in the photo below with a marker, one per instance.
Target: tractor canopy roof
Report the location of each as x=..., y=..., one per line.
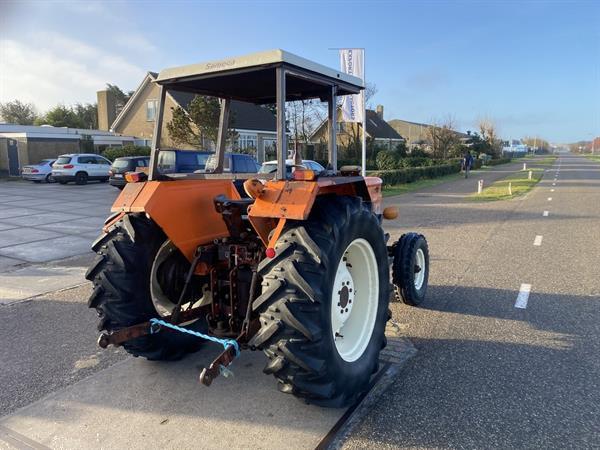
x=251, y=78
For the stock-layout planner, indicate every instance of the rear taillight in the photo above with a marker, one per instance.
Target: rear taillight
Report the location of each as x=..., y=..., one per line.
x=34, y=171
x=68, y=166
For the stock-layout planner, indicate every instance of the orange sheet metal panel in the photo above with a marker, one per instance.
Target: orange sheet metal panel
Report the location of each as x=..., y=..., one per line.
x=285, y=199
x=184, y=209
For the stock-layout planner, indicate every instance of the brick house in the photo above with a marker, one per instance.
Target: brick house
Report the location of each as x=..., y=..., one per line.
x=379, y=132
x=255, y=126
x=417, y=134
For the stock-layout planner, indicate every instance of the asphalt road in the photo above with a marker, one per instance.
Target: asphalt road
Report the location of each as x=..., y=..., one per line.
x=487, y=374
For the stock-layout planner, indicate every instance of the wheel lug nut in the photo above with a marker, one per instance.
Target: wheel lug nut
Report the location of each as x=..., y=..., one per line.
x=346, y=309
x=342, y=311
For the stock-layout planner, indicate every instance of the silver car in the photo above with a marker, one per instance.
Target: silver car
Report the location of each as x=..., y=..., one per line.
x=271, y=166
x=81, y=168
x=39, y=172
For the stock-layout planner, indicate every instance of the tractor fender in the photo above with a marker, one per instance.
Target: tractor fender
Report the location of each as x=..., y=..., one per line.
x=183, y=209
x=291, y=199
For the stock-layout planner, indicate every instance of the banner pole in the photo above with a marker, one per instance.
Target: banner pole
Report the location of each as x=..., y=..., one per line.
x=364, y=124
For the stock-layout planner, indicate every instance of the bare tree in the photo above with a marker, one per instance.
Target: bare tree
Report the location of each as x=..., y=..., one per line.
x=488, y=132
x=443, y=137
x=370, y=92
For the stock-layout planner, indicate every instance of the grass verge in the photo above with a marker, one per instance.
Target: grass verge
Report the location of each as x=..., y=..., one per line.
x=519, y=184
x=399, y=189
x=545, y=160
x=595, y=158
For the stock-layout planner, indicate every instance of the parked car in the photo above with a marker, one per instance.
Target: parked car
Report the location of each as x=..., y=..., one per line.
x=80, y=168
x=125, y=164
x=181, y=161
x=234, y=163
x=271, y=166
x=39, y=172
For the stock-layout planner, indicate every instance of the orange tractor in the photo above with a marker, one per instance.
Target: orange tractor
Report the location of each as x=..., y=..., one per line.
x=298, y=267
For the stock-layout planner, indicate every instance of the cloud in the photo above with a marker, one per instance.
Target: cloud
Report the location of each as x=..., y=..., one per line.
x=58, y=69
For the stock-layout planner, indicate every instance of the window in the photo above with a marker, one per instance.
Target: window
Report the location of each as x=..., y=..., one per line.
x=100, y=160
x=151, y=107
x=246, y=141
x=63, y=160
x=166, y=161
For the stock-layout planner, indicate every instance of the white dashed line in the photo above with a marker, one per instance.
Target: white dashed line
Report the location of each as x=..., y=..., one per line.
x=551, y=190
x=545, y=214
x=523, y=296
x=553, y=184
x=538, y=240
x=549, y=199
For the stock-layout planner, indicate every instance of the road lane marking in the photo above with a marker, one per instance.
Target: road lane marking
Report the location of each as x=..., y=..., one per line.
x=553, y=184
x=523, y=296
x=545, y=214
x=551, y=190
x=538, y=240
x=549, y=199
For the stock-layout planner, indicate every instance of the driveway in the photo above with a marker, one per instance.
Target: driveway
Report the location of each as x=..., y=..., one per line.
x=43, y=225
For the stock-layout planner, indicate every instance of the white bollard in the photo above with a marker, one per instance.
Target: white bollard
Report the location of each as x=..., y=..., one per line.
x=530, y=174
x=509, y=188
x=524, y=166
x=480, y=186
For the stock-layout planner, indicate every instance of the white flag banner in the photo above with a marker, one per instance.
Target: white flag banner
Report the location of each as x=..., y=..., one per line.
x=352, y=62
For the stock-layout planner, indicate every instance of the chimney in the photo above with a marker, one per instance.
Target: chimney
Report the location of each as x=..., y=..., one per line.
x=380, y=111
x=107, y=109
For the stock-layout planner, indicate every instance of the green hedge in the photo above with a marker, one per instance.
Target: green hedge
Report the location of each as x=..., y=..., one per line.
x=127, y=150
x=408, y=175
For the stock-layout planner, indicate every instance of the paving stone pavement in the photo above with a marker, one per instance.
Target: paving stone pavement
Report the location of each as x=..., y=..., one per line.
x=40, y=223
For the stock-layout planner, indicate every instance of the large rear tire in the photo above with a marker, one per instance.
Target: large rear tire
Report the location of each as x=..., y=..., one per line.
x=324, y=303
x=121, y=275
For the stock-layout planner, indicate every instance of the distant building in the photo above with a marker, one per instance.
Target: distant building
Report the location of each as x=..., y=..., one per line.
x=256, y=126
x=514, y=146
x=27, y=144
x=417, y=134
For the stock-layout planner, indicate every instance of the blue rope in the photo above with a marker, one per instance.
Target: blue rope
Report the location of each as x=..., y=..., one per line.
x=226, y=343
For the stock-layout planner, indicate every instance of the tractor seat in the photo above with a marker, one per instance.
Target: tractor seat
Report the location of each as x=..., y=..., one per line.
x=234, y=213
x=224, y=204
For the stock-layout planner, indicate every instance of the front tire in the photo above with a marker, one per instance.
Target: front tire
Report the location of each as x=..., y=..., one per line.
x=410, y=269
x=322, y=319
x=121, y=295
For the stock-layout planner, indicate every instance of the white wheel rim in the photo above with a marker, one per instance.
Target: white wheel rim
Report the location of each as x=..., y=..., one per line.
x=354, y=300
x=419, y=269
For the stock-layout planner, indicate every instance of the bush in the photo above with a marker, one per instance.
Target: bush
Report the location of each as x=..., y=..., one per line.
x=127, y=150
x=386, y=160
x=408, y=175
x=485, y=158
x=418, y=153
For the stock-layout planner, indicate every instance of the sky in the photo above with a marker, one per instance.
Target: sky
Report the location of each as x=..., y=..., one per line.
x=532, y=67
